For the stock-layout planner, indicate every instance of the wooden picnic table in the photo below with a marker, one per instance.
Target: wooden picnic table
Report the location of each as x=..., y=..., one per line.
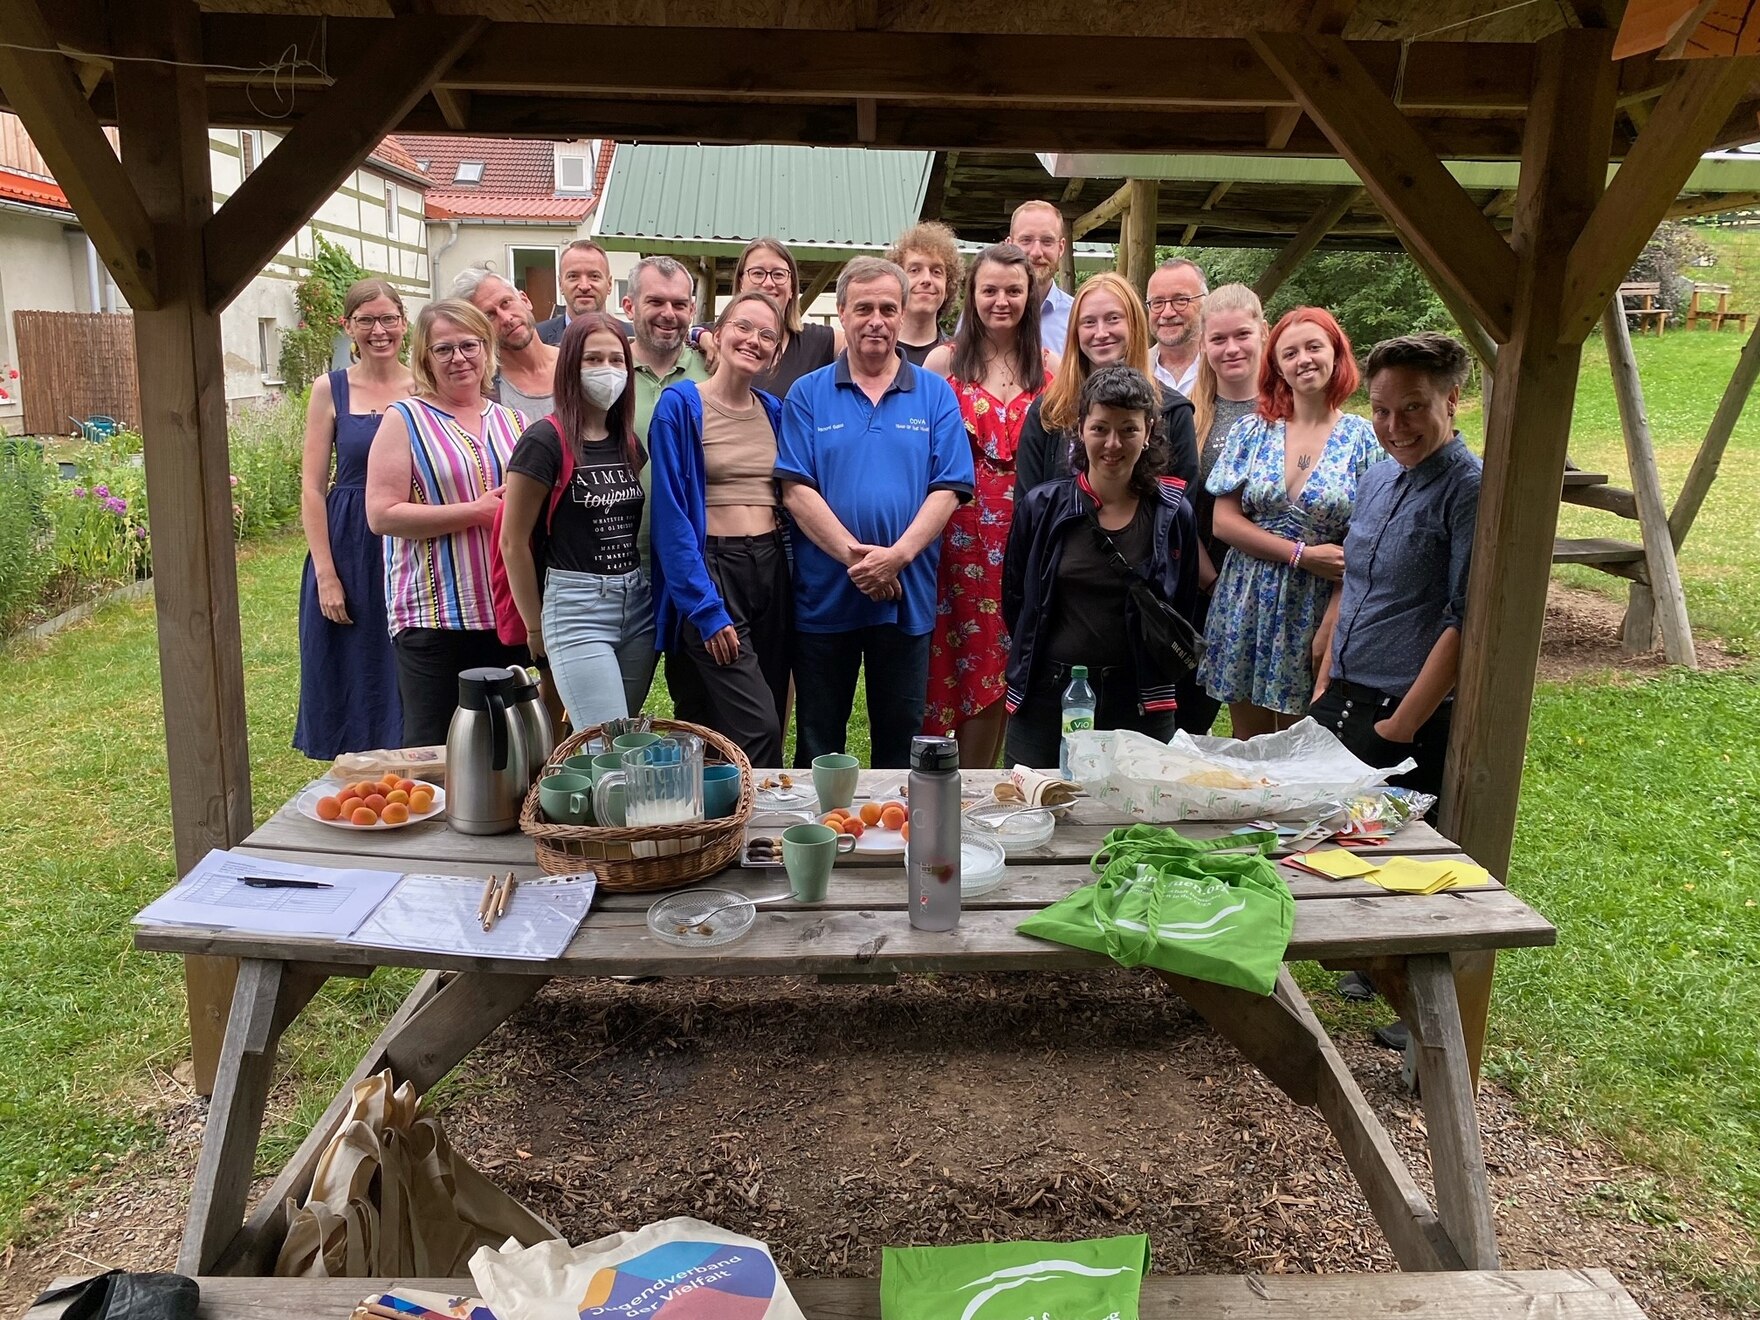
x=1431, y=955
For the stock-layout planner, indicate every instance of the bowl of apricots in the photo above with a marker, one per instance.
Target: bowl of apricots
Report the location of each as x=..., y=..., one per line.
x=386, y=803
x=880, y=828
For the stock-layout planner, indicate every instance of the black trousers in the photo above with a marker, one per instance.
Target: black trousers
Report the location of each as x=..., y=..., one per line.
x=428, y=665
x=748, y=699
x=1035, y=731
x=1351, y=711
x=1197, y=708
x=896, y=667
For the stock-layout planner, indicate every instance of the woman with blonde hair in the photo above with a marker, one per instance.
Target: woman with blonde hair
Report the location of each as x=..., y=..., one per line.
x=1231, y=345
x=347, y=674
x=928, y=254
x=435, y=478
x=767, y=266
x=1107, y=327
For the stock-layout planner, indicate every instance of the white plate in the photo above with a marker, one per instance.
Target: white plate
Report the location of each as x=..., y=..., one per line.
x=307, y=806
x=876, y=842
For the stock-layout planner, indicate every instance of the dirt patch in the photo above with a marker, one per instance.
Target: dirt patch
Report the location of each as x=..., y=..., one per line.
x=1581, y=638
x=829, y=1120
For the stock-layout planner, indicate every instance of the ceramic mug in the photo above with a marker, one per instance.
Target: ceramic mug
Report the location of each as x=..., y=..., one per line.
x=579, y=764
x=567, y=798
x=808, y=854
x=721, y=785
x=603, y=764
x=834, y=779
x=628, y=742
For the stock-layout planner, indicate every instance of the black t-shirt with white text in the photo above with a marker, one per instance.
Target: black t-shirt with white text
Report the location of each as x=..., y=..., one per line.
x=596, y=521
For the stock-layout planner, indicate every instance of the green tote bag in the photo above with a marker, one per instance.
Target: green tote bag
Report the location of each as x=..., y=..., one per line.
x=1168, y=902
x=1094, y=1280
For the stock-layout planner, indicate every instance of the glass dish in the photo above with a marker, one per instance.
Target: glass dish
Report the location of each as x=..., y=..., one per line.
x=982, y=865
x=1018, y=829
x=690, y=921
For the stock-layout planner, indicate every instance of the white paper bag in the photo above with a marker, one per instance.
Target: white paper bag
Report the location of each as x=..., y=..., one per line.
x=1299, y=772
x=687, y=1267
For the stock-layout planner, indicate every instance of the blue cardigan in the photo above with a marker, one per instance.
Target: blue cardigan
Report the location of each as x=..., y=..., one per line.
x=679, y=520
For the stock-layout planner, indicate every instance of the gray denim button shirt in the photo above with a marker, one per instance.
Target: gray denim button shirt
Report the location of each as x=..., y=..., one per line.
x=1406, y=558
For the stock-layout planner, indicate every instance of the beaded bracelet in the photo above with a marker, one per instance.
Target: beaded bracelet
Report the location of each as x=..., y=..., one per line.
x=1295, y=558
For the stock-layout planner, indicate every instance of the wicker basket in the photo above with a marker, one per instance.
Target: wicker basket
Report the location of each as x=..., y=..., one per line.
x=692, y=849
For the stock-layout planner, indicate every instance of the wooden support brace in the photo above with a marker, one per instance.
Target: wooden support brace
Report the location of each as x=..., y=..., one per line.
x=1269, y=1033
x=1400, y=170
x=455, y=107
x=821, y=282
x=452, y=1023
x=1688, y=116
x=269, y=995
x=327, y=145
x=1305, y=240
x=1457, y=1161
x=42, y=91
x=1102, y=213
x=1723, y=424
x=1661, y=601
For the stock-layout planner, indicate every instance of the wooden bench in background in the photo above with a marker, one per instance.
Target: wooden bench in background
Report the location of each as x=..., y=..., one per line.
x=1649, y=311
x=1460, y=1295
x=1697, y=311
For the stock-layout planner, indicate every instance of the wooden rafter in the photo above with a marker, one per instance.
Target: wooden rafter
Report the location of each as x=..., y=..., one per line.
x=42, y=89
x=1102, y=213
x=1402, y=173
x=1306, y=239
x=1216, y=195
x=1325, y=18
x=326, y=146
x=1683, y=124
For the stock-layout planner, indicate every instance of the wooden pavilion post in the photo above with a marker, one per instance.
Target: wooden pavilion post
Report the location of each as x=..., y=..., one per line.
x=1139, y=233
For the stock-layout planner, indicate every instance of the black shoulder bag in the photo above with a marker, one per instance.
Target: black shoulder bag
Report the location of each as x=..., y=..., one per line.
x=1168, y=633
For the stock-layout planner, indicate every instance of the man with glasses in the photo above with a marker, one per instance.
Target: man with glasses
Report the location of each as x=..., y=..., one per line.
x=1176, y=297
x=1037, y=229
x=586, y=287
x=525, y=379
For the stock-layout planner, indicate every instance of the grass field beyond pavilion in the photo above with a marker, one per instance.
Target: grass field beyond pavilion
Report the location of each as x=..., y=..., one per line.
x=1640, y=821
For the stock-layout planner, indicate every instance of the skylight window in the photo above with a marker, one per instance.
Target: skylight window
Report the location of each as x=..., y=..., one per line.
x=469, y=171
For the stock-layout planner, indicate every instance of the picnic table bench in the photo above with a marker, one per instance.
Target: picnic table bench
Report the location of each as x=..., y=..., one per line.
x=1650, y=311
x=1516, y=1295
x=1432, y=956
x=1697, y=312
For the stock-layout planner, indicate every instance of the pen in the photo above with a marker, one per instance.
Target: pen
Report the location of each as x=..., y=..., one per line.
x=283, y=882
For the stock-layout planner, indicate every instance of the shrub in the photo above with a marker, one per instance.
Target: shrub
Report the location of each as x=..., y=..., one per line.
x=1672, y=249
x=306, y=349
x=27, y=555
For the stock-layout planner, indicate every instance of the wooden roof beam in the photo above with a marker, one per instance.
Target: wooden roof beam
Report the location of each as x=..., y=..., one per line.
x=1305, y=240
x=326, y=146
x=1325, y=18
x=42, y=91
x=1686, y=119
x=1216, y=195
x=1400, y=169
x=1102, y=213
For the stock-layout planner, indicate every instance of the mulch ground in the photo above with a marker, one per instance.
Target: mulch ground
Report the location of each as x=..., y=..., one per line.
x=828, y=1120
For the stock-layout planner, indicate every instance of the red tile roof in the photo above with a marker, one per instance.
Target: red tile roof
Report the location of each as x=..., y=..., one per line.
x=16, y=187
x=392, y=152
x=443, y=204
x=512, y=167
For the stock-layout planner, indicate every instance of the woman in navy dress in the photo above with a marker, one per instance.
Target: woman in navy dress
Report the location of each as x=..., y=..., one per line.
x=347, y=677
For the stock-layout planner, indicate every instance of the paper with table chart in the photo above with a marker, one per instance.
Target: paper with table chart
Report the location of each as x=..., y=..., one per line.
x=214, y=895
x=438, y=914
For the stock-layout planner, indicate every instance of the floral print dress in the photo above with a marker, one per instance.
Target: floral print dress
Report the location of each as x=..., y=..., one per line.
x=1263, y=616
x=968, y=653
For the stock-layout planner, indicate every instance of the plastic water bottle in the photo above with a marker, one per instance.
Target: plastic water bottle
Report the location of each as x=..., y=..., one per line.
x=931, y=854
x=1078, y=712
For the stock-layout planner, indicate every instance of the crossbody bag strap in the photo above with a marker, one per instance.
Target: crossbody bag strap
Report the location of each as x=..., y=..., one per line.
x=1109, y=548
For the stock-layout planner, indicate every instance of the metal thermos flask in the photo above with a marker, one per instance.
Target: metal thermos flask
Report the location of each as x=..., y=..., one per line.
x=528, y=707
x=486, y=766
x=931, y=854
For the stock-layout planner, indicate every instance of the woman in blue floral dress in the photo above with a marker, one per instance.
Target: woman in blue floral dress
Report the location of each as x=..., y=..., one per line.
x=1285, y=484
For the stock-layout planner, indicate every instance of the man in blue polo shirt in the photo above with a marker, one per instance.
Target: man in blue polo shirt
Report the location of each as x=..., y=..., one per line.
x=873, y=459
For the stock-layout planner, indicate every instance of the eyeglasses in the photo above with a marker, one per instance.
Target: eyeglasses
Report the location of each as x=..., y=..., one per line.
x=465, y=348
x=757, y=276
x=389, y=322
x=767, y=337
x=1179, y=302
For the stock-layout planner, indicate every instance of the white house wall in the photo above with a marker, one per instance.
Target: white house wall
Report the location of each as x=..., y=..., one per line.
x=478, y=242
x=37, y=271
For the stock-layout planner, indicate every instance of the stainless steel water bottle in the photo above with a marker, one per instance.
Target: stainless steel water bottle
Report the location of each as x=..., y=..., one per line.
x=931, y=854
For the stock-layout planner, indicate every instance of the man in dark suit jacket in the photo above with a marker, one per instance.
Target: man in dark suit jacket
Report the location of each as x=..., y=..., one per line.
x=586, y=287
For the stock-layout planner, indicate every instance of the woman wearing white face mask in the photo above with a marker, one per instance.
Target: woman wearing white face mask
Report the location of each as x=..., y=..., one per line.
x=589, y=614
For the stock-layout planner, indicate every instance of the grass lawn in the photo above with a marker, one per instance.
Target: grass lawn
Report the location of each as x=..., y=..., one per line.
x=1640, y=810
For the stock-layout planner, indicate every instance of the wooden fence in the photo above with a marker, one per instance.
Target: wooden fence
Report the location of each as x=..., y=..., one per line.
x=75, y=365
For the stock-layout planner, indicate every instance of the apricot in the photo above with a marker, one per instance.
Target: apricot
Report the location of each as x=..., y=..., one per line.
x=852, y=827
x=329, y=808
x=364, y=816
x=397, y=795
x=905, y=831
x=374, y=801
x=420, y=801
x=870, y=813
x=407, y=785
x=834, y=818
x=893, y=817
x=396, y=813
x=389, y=779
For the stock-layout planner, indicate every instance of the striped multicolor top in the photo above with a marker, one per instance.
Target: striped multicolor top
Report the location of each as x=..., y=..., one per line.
x=443, y=581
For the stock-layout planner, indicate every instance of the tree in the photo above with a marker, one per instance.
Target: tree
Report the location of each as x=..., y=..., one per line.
x=306, y=350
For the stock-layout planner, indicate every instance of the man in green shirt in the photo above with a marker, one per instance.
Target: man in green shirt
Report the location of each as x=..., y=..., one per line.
x=661, y=305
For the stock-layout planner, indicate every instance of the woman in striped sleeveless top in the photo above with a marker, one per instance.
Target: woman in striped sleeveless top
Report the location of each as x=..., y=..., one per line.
x=434, y=481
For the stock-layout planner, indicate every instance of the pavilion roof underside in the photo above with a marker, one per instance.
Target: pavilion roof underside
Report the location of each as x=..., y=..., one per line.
x=981, y=75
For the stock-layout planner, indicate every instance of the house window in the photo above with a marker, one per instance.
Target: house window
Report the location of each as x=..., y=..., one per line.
x=574, y=167
x=269, y=349
x=391, y=208
x=468, y=171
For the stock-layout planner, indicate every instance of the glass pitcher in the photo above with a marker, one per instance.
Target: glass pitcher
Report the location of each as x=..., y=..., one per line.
x=662, y=785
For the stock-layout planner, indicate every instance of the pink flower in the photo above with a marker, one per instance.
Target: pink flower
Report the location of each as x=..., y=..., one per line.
x=234, y=481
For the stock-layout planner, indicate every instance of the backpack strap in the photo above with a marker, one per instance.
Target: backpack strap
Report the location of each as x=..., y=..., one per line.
x=565, y=472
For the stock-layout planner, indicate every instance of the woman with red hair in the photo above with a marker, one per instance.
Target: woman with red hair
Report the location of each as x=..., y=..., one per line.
x=1285, y=483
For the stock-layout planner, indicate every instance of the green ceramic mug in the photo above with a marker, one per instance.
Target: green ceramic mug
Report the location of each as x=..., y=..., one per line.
x=604, y=763
x=808, y=854
x=834, y=779
x=579, y=764
x=628, y=742
x=567, y=798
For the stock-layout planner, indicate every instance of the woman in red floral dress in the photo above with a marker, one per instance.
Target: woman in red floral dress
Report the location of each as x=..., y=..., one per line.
x=996, y=368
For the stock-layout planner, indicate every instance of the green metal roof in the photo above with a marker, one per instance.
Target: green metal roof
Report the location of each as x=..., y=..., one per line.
x=712, y=201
